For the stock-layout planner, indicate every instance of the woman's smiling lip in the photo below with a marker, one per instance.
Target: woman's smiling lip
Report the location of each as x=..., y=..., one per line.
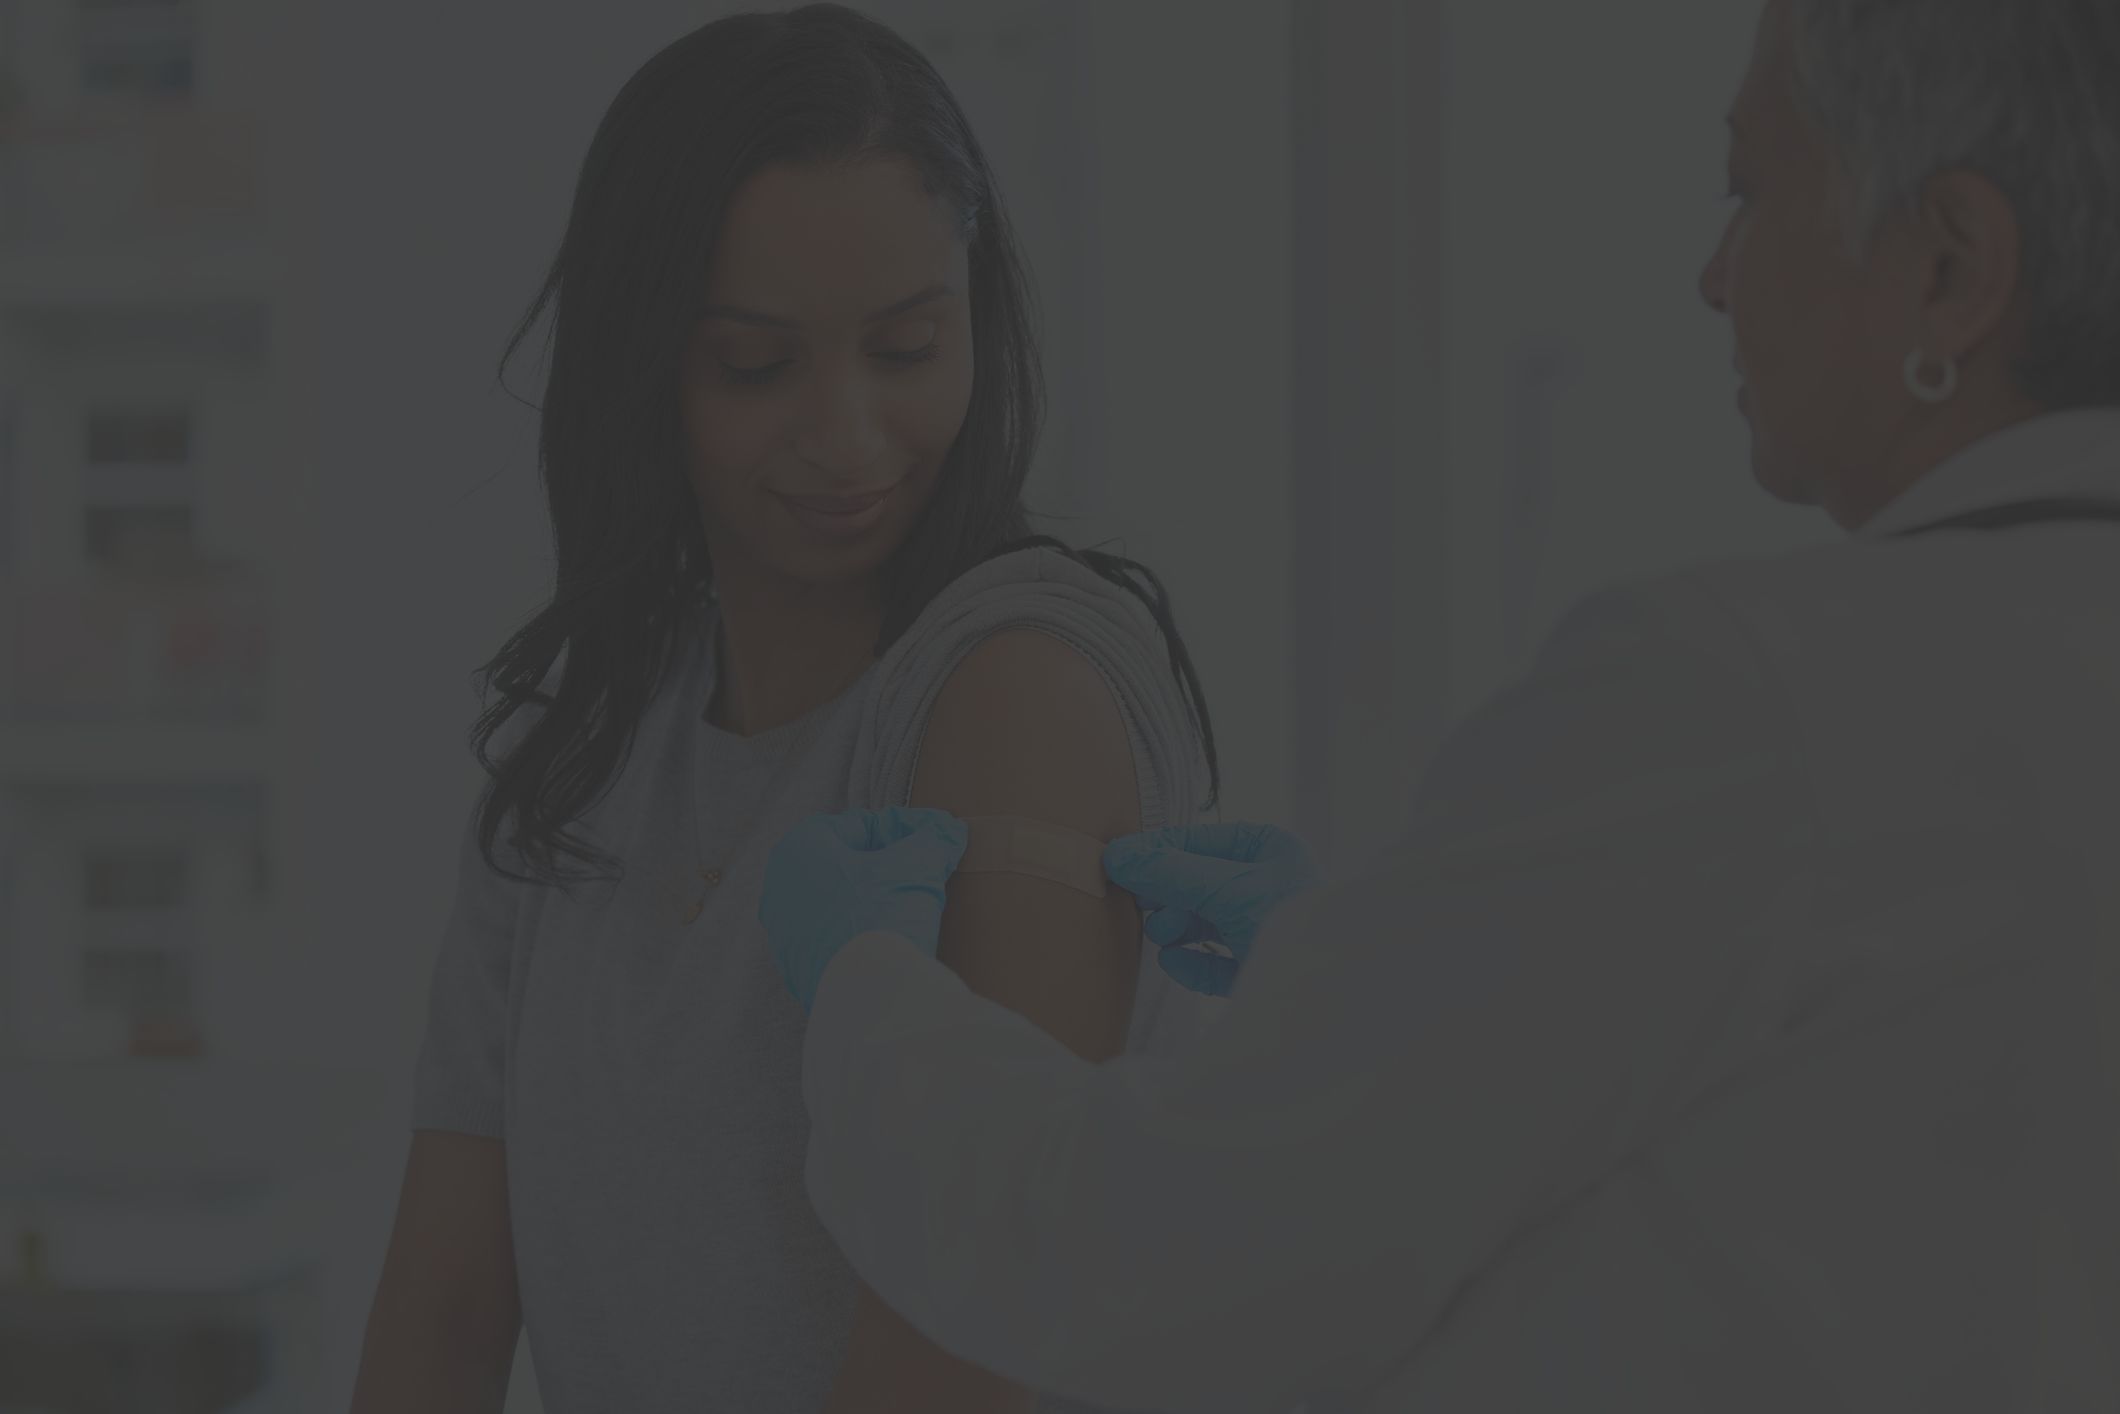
x=840, y=515
x=840, y=504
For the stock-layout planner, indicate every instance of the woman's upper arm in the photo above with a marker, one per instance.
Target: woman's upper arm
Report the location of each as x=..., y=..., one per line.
x=1026, y=726
x=460, y=1077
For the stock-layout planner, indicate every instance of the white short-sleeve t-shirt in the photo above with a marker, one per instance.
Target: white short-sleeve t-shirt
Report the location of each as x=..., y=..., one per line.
x=634, y=1047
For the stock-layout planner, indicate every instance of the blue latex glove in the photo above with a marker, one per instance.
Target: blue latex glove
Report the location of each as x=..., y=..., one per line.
x=1208, y=884
x=835, y=877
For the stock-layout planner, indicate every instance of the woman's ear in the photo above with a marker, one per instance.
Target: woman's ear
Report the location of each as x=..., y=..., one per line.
x=1974, y=247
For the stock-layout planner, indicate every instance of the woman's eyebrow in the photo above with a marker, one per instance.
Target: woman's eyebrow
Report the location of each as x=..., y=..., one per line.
x=738, y=314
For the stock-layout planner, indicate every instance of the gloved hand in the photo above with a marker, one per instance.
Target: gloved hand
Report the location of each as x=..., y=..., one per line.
x=1208, y=883
x=835, y=877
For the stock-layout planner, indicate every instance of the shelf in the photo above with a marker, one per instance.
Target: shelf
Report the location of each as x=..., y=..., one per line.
x=154, y=1245
x=197, y=1176
x=135, y=272
x=179, y=1349
x=125, y=753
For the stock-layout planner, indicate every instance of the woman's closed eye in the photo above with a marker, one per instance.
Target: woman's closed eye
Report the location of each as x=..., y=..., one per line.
x=753, y=373
x=910, y=343
x=766, y=372
x=920, y=355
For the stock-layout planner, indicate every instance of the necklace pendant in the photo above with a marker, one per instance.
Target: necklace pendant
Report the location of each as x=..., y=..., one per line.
x=711, y=878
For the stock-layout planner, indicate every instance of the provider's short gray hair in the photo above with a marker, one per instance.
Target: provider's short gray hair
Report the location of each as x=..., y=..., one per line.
x=2025, y=92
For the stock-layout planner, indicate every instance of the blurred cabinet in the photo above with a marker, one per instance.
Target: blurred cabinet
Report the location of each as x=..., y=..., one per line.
x=145, y=730
x=128, y=1352
x=135, y=910
x=166, y=1231
x=142, y=553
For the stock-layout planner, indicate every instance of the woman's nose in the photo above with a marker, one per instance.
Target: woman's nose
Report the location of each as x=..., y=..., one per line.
x=840, y=434
x=1711, y=282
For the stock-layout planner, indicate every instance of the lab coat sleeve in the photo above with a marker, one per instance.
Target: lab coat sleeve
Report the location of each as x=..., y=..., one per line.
x=1562, y=954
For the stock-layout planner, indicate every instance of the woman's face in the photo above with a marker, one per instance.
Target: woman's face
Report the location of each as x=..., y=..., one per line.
x=831, y=372
x=1820, y=335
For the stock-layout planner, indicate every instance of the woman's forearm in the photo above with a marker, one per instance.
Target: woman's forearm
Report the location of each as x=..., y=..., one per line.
x=411, y=1368
x=443, y=1329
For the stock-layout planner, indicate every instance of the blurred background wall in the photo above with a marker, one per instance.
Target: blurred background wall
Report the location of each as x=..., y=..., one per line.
x=1372, y=328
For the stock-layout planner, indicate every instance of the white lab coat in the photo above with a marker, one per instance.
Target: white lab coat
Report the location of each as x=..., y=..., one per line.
x=1730, y=1031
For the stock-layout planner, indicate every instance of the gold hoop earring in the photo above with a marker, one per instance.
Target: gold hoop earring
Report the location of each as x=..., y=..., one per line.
x=1938, y=392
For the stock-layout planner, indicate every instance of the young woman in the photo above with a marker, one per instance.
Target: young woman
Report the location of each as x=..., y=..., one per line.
x=792, y=398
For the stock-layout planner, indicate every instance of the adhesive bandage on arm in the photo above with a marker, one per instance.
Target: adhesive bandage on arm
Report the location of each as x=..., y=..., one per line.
x=1010, y=844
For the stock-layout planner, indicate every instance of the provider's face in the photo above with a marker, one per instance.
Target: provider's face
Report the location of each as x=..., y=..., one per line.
x=1819, y=334
x=830, y=373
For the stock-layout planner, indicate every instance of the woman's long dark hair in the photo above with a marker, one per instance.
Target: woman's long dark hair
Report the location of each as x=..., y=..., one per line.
x=820, y=83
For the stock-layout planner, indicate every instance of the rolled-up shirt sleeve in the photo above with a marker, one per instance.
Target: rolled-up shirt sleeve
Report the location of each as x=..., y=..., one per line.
x=1555, y=961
